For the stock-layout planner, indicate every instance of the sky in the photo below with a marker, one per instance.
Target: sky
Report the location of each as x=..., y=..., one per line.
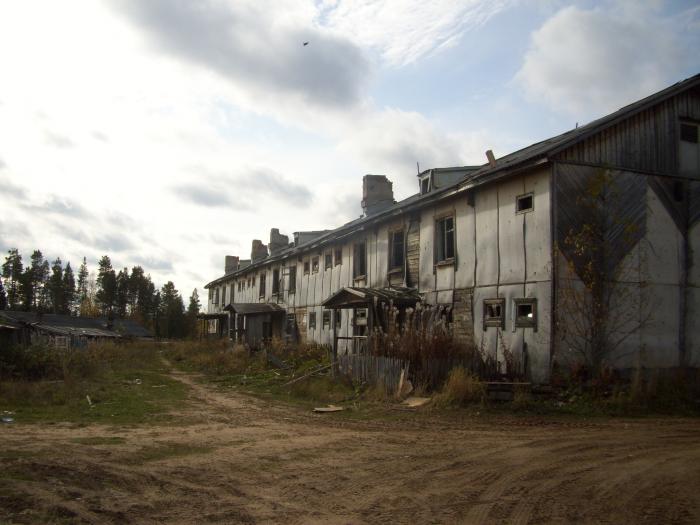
x=170, y=133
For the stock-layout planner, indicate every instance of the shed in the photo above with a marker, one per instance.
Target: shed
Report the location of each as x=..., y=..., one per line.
x=255, y=323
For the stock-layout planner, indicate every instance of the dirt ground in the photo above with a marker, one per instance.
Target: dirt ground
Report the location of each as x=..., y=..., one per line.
x=240, y=459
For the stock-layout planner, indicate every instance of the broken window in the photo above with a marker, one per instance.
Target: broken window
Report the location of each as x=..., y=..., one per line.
x=312, y=320
x=306, y=267
x=494, y=313
x=425, y=185
x=689, y=149
x=329, y=261
x=223, y=295
x=314, y=264
x=326, y=319
x=359, y=259
x=396, y=252
x=262, y=285
x=338, y=318
x=525, y=311
x=292, y=279
x=524, y=203
x=445, y=239
x=275, y=281
x=338, y=256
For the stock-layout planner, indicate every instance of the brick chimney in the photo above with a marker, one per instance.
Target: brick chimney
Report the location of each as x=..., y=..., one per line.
x=277, y=241
x=230, y=264
x=258, y=251
x=377, y=194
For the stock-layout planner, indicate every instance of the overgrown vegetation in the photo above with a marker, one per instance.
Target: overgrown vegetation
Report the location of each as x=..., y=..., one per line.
x=106, y=383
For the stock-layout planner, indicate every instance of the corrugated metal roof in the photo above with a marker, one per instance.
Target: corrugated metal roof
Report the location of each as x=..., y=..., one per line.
x=353, y=295
x=477, y=176
x=254, y=308
x=95, y=325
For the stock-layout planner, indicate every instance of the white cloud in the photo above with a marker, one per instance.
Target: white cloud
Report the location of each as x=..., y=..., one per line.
x=404, y=31
x=590, y=62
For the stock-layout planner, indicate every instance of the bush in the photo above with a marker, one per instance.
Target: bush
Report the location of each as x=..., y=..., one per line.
x=461, y=388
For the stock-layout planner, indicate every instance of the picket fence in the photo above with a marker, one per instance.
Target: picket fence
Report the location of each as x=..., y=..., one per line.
x=373, y=369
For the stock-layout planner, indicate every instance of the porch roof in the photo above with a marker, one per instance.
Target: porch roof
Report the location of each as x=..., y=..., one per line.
x=352, y=296
x=254, y=308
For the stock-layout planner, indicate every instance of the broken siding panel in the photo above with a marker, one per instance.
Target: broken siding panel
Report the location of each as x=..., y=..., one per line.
x=464, y=242
x=510, y=232
x=538, y=235
x=486, y=236
x=413, y=250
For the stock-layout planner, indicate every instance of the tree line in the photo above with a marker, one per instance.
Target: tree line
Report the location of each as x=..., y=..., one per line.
x=40, y=286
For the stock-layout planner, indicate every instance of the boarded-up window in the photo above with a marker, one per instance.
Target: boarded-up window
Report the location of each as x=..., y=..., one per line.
x=445, y=239
x=292, y=279
x=494, y=313
x=275, y=281
x=359, y=260
x=396, y=250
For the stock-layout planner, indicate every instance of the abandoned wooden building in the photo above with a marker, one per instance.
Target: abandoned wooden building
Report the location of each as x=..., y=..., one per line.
x=502, y=248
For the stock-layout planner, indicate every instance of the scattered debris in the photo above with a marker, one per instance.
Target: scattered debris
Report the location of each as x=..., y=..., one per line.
x=8, y=420
x=415, y=402
x=329, y=408
x=305, y=376
x=405, y=386
x=89, y=401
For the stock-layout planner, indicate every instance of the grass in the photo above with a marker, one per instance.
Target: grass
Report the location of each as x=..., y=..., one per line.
x=125, y=384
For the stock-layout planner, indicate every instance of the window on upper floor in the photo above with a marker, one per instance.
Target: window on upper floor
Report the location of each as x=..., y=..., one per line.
x=223, y=295
x=307, y=266
x=396, y=250
x=689, y=152
x=444, y=239
x=338, y=256
x=262, y=285
x=314, y=264
x=312, y=320
x=328, y=261
x=425, y=184
x=292, y=286
x=326, y=319
x=359, y=260
x=275, y=281
x=524, y=203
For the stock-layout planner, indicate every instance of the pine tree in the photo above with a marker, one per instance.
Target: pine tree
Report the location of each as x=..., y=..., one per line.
x=33, y=282
x=12, y=271
x=55, y=287
x=192, y=312
x=122, y=292
x=68, y=290
x=43, y=295
x=106, y=285
x=3, y=297
x=172, y=311
x=82, y=289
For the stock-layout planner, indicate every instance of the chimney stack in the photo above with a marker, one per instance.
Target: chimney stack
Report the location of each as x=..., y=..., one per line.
x=258, y=251
x=230, y=264
x=277, y=241
x=377, y=194
x=491, y=157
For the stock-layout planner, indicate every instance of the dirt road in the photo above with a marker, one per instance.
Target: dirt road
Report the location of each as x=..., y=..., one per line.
x=237, y=459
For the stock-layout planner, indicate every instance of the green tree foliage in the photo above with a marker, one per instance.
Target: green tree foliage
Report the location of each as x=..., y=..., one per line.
x=68, y=289
x=172, y=312
x=12, y=271
x=122, y=292
x=192, y=312
x=106, y=286
x=82, y=287
x=55, y=287
x=3, y=297
x=34, y=283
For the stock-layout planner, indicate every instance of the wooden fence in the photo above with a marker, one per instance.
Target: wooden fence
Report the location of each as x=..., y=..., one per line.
x=373, y=369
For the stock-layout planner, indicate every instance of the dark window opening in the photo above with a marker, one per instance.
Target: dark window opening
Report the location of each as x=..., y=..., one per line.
x=312, y=320
x=678, y=191
x=262, y=285
x=425, y=185
x=396, y=254
x=359, y=268
x=338, y=318
x=292, y=279
x=329, y=261
x=327, y=319
x=338, y=256
x=275, y=281
x=526, y=313
x=445, y=242
x=494, y=313
x=689, y=133
x=314, y=265
x=306, y=266
x=291, y=323
x=524, y=203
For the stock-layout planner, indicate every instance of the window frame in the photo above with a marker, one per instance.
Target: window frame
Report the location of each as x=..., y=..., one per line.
x=337, y=319
x=688, y=171
x=307, y=266
x=262, y=282
x=491, y=321
x=393, y=266
x=356, y=274
x=292, y=279
x=519, y=198
x=312, y=320
x=327, y=261
x=315, y=264
x=275, y=281
x=524, y=322
x=441, y=237
x=326, y=319
x=338, y=256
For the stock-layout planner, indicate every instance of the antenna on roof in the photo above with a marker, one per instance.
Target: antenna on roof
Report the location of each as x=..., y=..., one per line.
x=418, y=167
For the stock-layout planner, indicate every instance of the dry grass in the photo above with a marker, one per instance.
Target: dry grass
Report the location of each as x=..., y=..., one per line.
x=461, y=388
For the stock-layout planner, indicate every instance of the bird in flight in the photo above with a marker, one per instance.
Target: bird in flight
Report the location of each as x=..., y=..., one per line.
x=306, y=43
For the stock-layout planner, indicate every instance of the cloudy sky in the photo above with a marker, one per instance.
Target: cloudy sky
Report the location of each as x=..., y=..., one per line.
x=169, y=133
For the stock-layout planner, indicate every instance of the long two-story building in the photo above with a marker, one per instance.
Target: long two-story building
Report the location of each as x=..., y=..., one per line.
x=492, y=244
